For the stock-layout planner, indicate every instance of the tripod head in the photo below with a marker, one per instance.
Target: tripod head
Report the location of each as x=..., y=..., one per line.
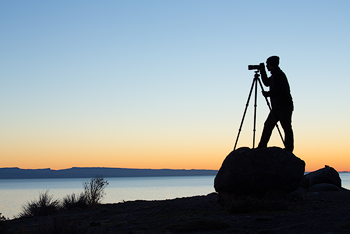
x=256, y=75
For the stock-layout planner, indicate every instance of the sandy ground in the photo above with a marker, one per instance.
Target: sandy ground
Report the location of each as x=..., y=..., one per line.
x=322, y=212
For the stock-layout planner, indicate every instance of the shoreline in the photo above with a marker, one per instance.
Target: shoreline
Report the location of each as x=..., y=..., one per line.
x=321, y=212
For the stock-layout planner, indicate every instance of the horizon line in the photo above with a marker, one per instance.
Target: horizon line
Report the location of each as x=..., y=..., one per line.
x=48, y=168
x=127, y=168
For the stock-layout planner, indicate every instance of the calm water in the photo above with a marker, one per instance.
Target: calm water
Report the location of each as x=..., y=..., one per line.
x=15, y=193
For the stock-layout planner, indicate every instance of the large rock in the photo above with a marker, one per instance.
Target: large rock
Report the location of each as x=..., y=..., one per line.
x=324, y=175
x=246, y=171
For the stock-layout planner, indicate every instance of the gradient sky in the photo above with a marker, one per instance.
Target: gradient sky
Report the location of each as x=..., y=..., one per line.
x=163, y=84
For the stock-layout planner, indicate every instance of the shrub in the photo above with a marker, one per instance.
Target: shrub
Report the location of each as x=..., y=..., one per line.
x=46, y=205
x=94, y=190
x=72, y=201
x=92, y=195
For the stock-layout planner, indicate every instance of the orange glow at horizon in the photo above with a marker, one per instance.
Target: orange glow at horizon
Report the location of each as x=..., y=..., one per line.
x=160, y=159
x=197, y=150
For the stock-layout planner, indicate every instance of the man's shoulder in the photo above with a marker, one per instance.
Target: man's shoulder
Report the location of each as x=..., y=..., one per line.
x=280, y=73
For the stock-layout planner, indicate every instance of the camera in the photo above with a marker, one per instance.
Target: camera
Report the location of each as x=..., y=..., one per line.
x=253, y=67
x=256, y=67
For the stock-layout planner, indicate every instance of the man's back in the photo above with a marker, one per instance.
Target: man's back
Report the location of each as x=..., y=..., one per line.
x=279, y=89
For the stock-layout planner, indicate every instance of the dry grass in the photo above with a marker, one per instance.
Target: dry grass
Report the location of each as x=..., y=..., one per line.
x=45, y=205
x=72, y=201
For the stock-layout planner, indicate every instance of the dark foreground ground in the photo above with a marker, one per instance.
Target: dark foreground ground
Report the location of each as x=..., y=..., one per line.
x=323, y=212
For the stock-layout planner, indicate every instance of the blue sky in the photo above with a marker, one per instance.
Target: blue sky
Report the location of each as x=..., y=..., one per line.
x=127, y=80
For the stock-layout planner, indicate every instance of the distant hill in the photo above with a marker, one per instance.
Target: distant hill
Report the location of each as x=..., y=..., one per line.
x=89, y=172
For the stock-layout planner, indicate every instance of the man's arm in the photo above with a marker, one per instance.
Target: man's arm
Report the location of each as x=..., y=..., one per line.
x=279, y=85
x=264, y=77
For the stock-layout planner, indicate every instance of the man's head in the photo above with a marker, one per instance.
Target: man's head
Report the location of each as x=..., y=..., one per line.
x=272, y=62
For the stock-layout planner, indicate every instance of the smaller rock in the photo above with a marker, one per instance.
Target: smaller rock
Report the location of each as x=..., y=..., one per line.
x=324, y=175
x=324, y=187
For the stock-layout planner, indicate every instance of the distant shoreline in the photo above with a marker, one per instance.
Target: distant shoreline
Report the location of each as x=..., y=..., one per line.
x=89, y=172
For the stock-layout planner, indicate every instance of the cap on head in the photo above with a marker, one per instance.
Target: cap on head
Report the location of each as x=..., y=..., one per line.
x=273, y=61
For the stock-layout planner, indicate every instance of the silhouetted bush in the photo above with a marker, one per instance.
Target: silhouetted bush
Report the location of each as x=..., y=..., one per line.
x=72, y=201
x=46, y=205
x=92, y=195
x=94, y=190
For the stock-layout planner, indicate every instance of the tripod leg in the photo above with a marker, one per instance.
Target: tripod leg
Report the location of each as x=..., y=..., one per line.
x=255, y=104
x=268, y=104
x=245, y=111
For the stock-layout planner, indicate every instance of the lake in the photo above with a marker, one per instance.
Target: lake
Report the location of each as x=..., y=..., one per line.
x=14, y=193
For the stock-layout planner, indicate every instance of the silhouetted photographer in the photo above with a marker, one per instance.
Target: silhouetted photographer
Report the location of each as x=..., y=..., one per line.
x=281, y=103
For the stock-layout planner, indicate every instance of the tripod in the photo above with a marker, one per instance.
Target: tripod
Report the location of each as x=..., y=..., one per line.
x=255, y=85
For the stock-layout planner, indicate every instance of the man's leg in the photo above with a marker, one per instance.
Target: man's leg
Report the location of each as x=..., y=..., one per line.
x=270, y=123
x=286, y=122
